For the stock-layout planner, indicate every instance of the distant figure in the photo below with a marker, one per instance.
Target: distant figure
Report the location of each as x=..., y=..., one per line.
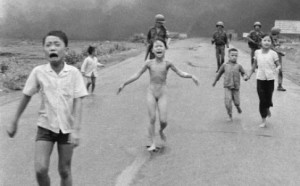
x=89, y=68
x=62, y=88
x=157, y=90
x=276, y=47
x=254, y=39
x=268, y=64
x=230, y=36
x=158, y=31
x=220, y=39
x=232, y=71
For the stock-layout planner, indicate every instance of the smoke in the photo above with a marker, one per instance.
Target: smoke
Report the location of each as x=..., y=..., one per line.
x=119, y=19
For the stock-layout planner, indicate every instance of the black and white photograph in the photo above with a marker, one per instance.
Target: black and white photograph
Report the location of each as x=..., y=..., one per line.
x=150, y=92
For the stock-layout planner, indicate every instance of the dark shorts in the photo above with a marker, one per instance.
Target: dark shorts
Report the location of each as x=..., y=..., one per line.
x=47, y=135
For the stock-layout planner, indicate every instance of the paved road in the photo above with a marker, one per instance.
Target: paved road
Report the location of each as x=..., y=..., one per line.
x=202, y=148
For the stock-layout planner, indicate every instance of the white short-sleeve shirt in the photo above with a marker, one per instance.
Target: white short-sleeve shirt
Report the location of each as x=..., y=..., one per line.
x=58, y=92
x=266, y=64
x=89, y=66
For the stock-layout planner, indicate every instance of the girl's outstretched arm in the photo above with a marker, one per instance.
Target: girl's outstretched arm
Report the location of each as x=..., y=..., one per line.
x=133, y=78
x=254, y=65
x=183, y=74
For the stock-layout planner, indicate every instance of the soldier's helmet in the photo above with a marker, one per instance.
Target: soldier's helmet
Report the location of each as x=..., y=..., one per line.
x=275, y=31
x=159, y=18
x=220, y=23
x=257, y=23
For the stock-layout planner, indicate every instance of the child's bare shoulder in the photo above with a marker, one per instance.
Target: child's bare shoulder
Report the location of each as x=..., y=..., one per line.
x=169, y=63
x=149, y=62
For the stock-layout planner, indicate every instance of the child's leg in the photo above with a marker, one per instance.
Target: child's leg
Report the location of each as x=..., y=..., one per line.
x=263, y=108
x=236, y=100
x=43, y=150
x=93, y=83
x=151, y=104
x=89, y=82
x=269, y=95
x=162, y=108
x=228, y=102
x=65, y=152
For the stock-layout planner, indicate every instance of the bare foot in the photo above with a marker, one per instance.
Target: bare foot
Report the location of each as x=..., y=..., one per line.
x=230, y=118
x=152, y=147
x=269, y=113
x=263, y=125
x=239, y=109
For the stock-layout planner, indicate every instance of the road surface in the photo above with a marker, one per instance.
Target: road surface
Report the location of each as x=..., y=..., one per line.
x=202, y=148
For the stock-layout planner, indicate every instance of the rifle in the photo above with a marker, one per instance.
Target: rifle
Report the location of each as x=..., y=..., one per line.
x=148, y=51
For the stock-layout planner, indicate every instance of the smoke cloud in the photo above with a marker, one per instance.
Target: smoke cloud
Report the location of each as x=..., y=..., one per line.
x=119, y=19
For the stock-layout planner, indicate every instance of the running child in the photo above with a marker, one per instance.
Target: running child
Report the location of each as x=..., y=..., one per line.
x=61, y=87
x=267, y=62
x=232, y=71
x=89, y=68
x=157, y=90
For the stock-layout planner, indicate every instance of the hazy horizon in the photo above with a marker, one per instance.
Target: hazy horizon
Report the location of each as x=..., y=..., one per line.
x=119, y=19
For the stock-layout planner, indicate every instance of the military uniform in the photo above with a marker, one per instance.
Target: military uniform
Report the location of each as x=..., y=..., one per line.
x=276, y=48
x=256, y=37
x=153, y=34
x=220, y=39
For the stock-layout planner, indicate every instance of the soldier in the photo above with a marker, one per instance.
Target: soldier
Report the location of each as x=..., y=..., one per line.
x=254, y=39
x=220, y=40
x=276, y=47
x=158, y=31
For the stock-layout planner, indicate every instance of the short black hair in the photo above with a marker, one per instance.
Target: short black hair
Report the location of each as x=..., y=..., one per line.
x=162, y=40
x=58, y=33
x=267, y=35
x=91, y=49
x=232, y=50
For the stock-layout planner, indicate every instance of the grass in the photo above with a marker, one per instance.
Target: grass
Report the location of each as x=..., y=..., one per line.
x=19, y=57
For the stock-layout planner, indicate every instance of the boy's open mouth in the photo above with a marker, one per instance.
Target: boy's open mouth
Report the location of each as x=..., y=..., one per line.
x=159, y=52
x=53, y=55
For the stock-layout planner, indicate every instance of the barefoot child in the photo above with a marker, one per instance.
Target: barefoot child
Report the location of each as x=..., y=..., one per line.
x=89, y=68
x=157, y=90
x=61, y=88
x=266, y=60
x=232, y=71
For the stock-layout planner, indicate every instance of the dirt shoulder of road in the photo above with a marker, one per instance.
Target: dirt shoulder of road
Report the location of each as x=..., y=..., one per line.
x=7, y=95
x=291, y=65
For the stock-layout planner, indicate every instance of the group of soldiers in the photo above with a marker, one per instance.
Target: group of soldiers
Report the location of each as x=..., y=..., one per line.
x=220, y=40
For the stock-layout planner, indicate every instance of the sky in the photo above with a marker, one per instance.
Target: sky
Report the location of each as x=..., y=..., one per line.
x=119, y=19
x=1, y=8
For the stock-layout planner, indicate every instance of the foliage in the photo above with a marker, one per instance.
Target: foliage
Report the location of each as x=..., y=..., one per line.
x=16, y=73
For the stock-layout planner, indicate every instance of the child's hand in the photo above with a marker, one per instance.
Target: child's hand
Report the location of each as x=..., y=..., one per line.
x=74, y=138
x=12, y=129
x=214, y=84
x=120, y=89
x=196, y=81
x=246, y=77
x=277, y=69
